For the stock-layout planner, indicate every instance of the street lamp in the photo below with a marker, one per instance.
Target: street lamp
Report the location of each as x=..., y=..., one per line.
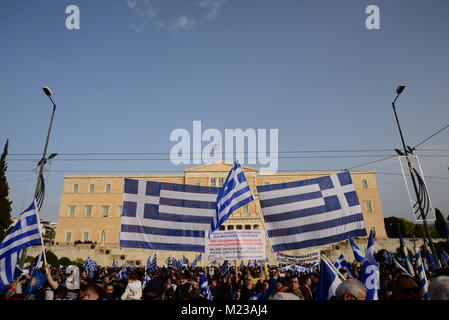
x=421, y=195
x=40, y=186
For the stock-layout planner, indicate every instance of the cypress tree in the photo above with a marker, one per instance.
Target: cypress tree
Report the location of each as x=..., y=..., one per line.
x=5, y=204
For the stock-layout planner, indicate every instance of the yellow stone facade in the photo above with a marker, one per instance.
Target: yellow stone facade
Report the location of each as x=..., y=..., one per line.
x=91, y=204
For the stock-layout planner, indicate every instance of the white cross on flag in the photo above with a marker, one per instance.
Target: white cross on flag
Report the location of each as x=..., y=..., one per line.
x=312, y=212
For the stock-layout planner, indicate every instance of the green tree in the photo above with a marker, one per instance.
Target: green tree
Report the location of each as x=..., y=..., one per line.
x=5, y=204
x=52, y=258
x=64, y=261
x=394, y=224
x=440, y=224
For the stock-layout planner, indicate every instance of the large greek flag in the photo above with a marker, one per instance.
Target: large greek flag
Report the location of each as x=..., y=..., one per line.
x=166, y=216
x=423, y=283
x=234, y=194
x=313, y=212
x=24, y=234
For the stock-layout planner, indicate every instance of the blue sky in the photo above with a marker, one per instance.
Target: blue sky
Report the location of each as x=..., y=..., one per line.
x=138, y=69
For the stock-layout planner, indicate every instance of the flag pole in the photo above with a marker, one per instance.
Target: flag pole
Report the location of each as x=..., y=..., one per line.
x=261, y=214
x=333, y=267
x=40, y=233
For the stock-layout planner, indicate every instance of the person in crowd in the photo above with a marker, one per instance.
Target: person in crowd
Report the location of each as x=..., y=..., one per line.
x=247, y=290
x=350, y=289
x=109, y=293
x=439, y=288
x=304, y=286
x=133, y=290
x=407, y=288
x=90, y=292
x=294, y=287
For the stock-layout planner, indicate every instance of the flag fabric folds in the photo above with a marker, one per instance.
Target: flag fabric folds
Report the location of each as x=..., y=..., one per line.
x=224, y=269
x=328, y=281
x=37, y=280
x=122, y=274
x=444, y=257
x=358, y=254
x=388, y=257
x=23, y=235
x=341, y=263
x=400, y=266
x=423, y=284
x=311, y=212
x=152, y=266
x=166, y=216
x=370, y=271
x=90, y=266
x=204, y=286
x=234, y=194
x=197, y=259
x=408, y=263
x=432, y=263
x=172, y=262
x=40, y=192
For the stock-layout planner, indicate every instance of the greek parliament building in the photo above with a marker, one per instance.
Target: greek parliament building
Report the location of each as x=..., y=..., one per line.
x=91, y=206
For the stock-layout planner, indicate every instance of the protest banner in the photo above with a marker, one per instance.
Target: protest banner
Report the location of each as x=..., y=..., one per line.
x=301, y=260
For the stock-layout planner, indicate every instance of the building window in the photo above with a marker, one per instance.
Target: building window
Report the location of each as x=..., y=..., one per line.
x=103, y=236
x=197, y=184
x=105, y=210
x=213, y=182
x=256, y=227
x=120, y=209
x=68, y=236
x=368, y=205
x=245, y=208
x=364, y=184
x=91, y=188
x=239, y=227
x=266, y=182
x=75, y=188
x=85, y=236
x=88, y=211
x=247, y=227
x=220, y=181
x=72, y=211
x=108, y=187
x=222, y=228
x=231, y=227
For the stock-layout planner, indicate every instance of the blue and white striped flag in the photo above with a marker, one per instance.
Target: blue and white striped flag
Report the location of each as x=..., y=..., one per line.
x=370, y=271
x=152, y=267
x=423, y=284
x=341, y=263
x=204, y=286
x=408, y=263
x=37, y=261
x=166, y=216
x=234, y=194
x=114, y=265
x=122, y=274
x=171, y=262
x=401, y=267
x=23, y=235
x=444, y=257
x=148, y=263
x=358, y=254
x=145, y=280
x=328, y=281
x=388, y=257
x=90, y=266
x=197, y=259
x=224, y=269
x=312, y=212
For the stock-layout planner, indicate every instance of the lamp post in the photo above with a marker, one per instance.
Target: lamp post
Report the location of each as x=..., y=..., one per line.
x=419, y=202
x=38, y=193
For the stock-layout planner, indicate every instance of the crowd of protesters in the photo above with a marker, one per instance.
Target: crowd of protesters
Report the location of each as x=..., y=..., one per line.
x=243, y=284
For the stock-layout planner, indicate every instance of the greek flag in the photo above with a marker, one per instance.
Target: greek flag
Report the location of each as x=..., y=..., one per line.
x=37, y=261
x=409, y=265
x=388, y=257
x=204, y=286
x=90, y=266
x=312, y=212
x=358, y=254
x=341, y=263
x=122, y=274
x=152, y=266
x=401, y=267
x=328, y=281
x=234, y=194
x=423, y=284
x=370, y=271
x=172, y=262
x=115, y=265
x=444, y=257
x=145, y=280
x=166, y=216
x=224, y=269
x=184, y=260
x=195, y=262
x=23, y=235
